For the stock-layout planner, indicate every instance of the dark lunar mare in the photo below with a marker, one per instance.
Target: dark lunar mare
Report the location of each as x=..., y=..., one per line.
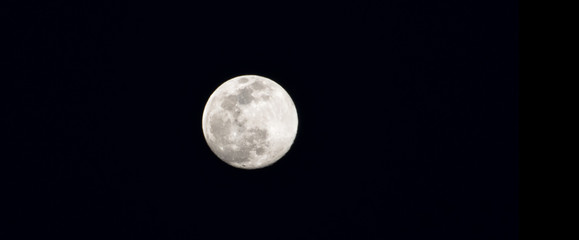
x=244, y=96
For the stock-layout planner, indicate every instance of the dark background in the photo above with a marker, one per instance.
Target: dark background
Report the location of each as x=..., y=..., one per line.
x=408, y=117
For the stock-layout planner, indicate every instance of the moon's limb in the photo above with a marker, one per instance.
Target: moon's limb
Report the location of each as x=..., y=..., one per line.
x=250, y=122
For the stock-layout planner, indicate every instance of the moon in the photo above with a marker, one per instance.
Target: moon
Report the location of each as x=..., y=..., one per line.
x=250, y=122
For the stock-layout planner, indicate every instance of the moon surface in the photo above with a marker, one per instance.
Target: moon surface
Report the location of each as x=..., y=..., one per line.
x=250, y=122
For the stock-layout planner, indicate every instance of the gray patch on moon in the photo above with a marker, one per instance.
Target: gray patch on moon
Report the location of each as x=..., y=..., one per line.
x=259, y=151
x=239, y=155
x=229, y=102
x=265, y=97
x=236, y=113
x=244, y=96
x=255, y=140
x=220, y=129
x=257, y=136
x=260, y=86
x=239, y=123
x=243, y=80
x=257, y=85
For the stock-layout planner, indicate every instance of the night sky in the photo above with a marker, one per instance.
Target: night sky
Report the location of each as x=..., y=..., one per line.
x=408, y=119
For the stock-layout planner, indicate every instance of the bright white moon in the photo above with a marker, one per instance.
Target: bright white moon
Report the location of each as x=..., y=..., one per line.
x=250, y=122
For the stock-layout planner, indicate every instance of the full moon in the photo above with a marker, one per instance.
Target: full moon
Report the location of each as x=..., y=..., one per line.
x=250, y=122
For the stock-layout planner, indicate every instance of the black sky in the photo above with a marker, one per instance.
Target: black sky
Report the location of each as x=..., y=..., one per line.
x=408, y=117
